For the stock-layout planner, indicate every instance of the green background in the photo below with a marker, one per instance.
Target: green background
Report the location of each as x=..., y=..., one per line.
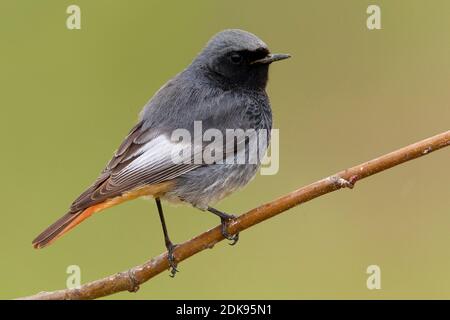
x=348, y=95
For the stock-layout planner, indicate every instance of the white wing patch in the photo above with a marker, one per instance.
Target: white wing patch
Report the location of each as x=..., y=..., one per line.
x=158, y=159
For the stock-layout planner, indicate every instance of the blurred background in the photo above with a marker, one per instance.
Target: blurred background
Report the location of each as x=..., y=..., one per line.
x=68, y=97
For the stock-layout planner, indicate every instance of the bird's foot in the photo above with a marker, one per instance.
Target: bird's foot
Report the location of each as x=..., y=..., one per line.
x=234, y=238
x=225, y=220
x=171, y=258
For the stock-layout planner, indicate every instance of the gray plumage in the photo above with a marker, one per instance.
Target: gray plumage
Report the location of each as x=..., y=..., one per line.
x=224, y=88
x=213, y=90
x=221, y=96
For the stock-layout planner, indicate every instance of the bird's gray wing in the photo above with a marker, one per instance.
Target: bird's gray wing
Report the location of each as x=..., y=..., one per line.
x=145, y=157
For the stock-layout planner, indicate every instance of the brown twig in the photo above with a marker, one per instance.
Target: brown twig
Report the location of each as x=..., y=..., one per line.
x=131, y=279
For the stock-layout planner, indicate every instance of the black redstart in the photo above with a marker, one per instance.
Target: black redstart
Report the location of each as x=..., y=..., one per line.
x=223, y=88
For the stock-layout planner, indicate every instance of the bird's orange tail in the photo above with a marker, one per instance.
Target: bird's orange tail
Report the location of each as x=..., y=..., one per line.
x=72, y=219
x=61, y=226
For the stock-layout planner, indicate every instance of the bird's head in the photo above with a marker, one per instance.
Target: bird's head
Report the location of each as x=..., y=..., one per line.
x=237, y=57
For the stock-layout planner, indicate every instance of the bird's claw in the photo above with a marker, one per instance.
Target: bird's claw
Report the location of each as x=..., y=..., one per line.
x=172, y=261
x=234, y=238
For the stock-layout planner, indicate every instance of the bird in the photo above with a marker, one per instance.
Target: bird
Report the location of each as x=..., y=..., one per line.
x=223, y=88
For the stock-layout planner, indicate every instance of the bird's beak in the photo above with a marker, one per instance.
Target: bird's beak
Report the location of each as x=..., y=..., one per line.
x=271, y=58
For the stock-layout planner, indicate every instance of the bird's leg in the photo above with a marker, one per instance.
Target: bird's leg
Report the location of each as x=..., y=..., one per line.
x=169, y=245
x=225, y=218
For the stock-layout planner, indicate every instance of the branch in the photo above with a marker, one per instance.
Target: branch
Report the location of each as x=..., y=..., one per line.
x=131, y=279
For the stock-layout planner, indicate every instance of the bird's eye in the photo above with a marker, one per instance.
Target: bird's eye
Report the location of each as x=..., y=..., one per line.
x=236, y=58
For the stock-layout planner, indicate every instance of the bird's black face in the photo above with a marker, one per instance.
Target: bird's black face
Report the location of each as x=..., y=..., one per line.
x=243, y=68
x=237, y=58
x=238, y=67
